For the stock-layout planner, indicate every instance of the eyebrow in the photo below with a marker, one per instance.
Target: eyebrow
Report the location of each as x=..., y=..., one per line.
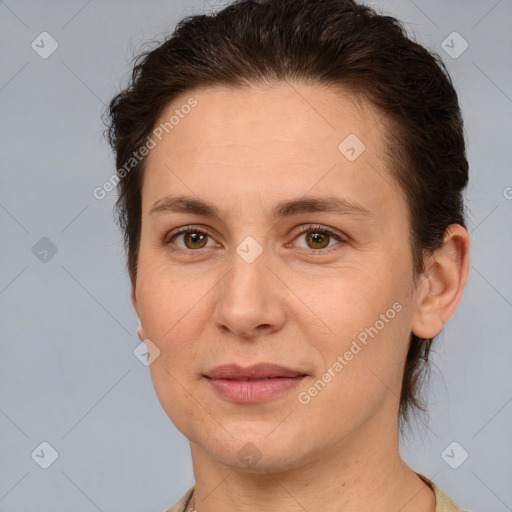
x=328, y=204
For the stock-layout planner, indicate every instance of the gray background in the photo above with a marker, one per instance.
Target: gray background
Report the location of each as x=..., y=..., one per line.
x=68, y=374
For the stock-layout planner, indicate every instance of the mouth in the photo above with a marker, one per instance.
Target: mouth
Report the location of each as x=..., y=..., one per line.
x=253, y=384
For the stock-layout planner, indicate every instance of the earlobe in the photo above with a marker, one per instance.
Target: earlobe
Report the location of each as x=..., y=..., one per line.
x=140, y=332
x=446, y=272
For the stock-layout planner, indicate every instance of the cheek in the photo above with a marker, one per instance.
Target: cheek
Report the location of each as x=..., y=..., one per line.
x=349, y=299
x=368, y=324
x=360, y=373
x=169, y=311
x=165, y=299
x=176, y=397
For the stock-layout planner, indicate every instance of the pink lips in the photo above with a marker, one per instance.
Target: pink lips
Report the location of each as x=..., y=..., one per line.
x=253, y=384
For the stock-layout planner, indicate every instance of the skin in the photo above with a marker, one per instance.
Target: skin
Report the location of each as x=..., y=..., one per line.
x=298, y=304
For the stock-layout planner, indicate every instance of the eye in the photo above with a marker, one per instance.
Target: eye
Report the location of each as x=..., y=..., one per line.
x=318, y=238
x=315, y=238
x=193, y=238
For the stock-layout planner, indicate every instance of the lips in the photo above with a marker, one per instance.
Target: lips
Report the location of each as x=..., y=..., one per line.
x=253, y=384
x=259, y=371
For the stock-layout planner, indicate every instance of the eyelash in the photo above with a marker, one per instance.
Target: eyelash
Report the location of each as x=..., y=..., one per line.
x=312, y=228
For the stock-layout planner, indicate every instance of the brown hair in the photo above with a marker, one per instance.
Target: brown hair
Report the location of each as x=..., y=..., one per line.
x=329, y=43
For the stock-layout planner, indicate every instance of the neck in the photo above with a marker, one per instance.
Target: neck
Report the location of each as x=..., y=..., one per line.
x=354, y=476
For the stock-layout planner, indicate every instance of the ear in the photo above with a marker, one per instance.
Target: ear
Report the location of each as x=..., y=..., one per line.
x=140, y=330
x=440, y=291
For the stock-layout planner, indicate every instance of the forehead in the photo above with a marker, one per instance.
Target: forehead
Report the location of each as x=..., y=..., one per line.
x=282, y=113
x=285, y=137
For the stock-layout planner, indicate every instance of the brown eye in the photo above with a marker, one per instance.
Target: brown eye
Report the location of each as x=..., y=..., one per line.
x=317, y=239
x=195, y=240
x=189, y=239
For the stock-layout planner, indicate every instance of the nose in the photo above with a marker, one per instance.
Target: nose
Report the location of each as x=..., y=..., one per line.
x=250, y=300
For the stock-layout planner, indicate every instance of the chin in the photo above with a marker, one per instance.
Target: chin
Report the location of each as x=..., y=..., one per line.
x=257, y=459
x=254, y=450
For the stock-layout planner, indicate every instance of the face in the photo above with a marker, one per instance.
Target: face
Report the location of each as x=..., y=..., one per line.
x=286, y=258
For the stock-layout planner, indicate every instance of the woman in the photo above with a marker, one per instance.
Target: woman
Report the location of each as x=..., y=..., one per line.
x=291, y=177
